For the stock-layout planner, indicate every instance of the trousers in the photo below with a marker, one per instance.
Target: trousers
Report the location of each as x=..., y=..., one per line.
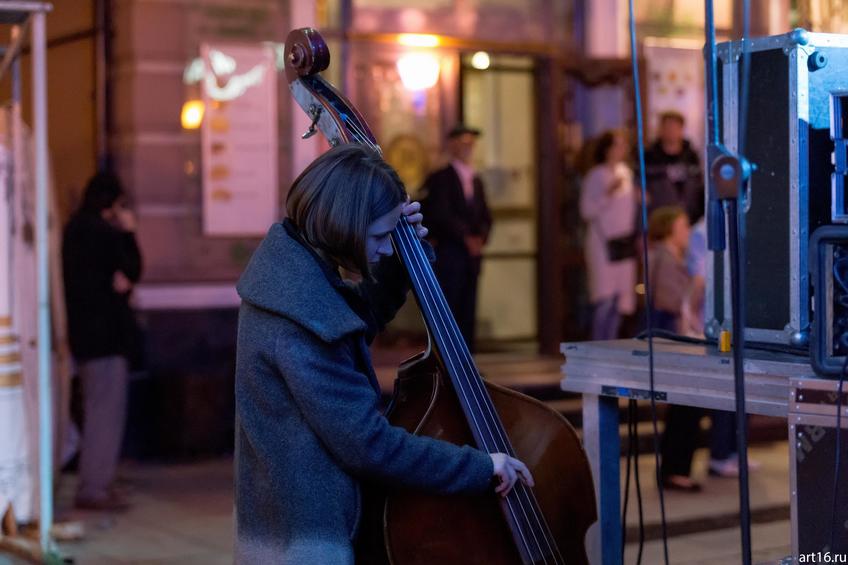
x=105, y=381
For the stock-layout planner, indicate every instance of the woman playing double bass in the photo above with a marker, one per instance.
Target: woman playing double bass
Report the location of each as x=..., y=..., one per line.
x=308, y=427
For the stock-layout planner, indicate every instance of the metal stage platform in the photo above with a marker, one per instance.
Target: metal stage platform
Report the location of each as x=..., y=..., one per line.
x=692, y=375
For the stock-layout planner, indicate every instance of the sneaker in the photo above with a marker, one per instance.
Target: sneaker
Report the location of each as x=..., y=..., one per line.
x=724, y=467
x=729, y=467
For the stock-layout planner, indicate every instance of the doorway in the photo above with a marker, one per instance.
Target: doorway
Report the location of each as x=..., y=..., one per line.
x=500, y=100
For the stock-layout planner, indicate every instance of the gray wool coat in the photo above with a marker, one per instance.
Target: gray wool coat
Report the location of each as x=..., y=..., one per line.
x=308, y=427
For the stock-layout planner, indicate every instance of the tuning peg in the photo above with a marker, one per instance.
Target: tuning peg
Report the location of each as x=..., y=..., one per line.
x=315, y=112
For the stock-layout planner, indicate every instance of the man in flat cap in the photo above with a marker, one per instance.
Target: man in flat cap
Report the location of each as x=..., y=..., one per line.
x=459, y=222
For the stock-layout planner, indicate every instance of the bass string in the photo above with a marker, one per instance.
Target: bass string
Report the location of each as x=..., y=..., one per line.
x=478, y=389
x=410, y=252
x=362, y=137
x=419, y=270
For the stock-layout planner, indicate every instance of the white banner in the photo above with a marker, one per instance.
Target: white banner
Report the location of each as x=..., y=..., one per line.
x=675, y=82
x=15, y=478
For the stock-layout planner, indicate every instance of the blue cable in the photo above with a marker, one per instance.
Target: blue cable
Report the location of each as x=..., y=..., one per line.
x=746, y=76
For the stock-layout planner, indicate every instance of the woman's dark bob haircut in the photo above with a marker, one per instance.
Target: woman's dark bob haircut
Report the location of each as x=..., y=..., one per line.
x=338, y=196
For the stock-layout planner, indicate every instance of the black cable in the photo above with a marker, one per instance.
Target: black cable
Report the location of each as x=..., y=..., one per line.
x=632, y=457
x=737, y=243
x=634, y=439
x=736, y=230
x=710, y=342
x=626, y=482
x=673, y=336
x=777, y=348
x=837, y=276
x=649, y=303
x=838, y=464
x=737, y=297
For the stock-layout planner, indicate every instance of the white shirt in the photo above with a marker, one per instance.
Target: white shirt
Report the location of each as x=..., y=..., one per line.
x=466, y=178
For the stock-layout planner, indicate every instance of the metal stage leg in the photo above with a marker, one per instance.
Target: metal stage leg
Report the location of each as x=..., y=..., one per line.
x=603, y=446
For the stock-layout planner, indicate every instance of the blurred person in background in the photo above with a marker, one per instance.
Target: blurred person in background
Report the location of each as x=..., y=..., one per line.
x=454, y=201
x=673, y=170
x=724, y=458
x=692, y=323
x=671, y=288
x=101, y=263
x=670, y=281
x=608, y=206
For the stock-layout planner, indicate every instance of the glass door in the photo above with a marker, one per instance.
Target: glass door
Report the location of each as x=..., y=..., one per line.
x=500, y=100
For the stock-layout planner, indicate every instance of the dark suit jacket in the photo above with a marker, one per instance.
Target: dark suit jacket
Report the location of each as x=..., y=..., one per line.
x=448, y=215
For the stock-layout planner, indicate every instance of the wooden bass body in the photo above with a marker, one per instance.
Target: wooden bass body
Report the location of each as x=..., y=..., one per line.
x=413, y=528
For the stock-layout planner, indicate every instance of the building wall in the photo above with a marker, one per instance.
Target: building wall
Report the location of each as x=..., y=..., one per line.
x=182, y=403
x=158, y=160
x=503, y=21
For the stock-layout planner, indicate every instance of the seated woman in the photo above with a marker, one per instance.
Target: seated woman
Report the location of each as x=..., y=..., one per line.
x=671, y=286
x=308, y=428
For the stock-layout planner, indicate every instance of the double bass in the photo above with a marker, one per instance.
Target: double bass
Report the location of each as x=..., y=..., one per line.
x=440, y=393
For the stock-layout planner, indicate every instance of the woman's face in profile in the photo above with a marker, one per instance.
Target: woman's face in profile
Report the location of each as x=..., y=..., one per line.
x=378, y=243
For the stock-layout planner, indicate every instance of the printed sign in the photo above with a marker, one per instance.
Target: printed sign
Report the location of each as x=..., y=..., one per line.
x=239, y=139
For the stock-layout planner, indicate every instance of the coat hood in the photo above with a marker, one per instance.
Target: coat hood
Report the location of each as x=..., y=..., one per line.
x=286, y=278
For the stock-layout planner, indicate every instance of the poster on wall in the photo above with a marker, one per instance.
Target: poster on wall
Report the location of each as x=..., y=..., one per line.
x=676, y=83
x=239, y=139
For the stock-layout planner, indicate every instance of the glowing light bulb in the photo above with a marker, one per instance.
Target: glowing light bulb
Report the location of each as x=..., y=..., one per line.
x=418, y=71
x=418, y=40
x=480, y=60
x=194, y=71
x=192, y=114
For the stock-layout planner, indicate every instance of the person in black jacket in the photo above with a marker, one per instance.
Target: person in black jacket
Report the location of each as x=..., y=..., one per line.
x=101, y=263
x=459, y=221
x=673, y=170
